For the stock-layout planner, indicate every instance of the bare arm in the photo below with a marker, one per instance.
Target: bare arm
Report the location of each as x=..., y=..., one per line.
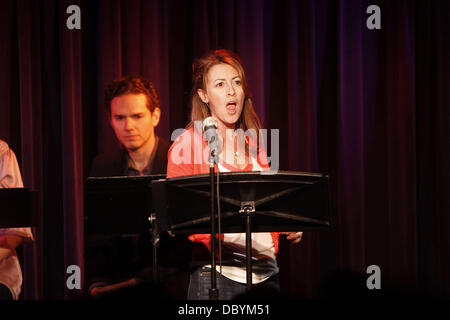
x=8, y=244
x=97, y=292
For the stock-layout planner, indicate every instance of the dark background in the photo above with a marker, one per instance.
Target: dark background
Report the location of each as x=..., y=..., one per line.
x=368, y=107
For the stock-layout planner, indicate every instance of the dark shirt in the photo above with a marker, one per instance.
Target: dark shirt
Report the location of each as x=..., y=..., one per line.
x=131, y=172
x=112, y=259
x=116, y=163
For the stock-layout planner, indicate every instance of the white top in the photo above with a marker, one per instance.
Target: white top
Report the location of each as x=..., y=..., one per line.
x=10, y=177
x=264, y=263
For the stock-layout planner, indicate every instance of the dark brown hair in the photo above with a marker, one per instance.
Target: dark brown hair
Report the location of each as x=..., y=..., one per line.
x=132, y=85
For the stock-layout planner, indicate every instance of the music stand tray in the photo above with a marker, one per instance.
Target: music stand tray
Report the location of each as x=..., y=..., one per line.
x=286, y=201
x=121, y=205
x=249, y=202
x=118, y=205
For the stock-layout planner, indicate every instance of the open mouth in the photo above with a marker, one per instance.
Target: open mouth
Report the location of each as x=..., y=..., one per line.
x=231, y=107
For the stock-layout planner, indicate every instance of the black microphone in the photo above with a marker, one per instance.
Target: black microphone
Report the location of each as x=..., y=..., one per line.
x=210, y=135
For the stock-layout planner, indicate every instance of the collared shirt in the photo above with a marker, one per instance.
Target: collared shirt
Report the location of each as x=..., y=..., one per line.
x=131, y=171
x=10, y=177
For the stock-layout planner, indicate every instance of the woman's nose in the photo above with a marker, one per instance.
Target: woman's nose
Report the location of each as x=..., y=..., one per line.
x=231, y=90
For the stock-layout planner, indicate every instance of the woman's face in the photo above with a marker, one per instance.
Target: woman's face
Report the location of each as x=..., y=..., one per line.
x=224, y=93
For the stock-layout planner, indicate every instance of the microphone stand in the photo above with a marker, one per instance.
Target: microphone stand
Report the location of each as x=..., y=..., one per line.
x=155, y=243
x=209, y=127
x=213, y=292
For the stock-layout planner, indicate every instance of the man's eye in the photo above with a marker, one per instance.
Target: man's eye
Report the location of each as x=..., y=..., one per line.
x=119, y=118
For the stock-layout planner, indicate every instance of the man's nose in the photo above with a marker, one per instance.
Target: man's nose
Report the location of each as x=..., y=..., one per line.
x=128, y=124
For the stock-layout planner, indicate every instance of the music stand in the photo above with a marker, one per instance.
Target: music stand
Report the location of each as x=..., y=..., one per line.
x=121, y=205
x=249, y=201
x=19, y=207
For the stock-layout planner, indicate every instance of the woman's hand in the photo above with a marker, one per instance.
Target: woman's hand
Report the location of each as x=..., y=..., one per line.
x=294, y=237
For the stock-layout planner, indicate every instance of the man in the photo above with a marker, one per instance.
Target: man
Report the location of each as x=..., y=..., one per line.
x=10, y=238
x=133, y=107
x=119, y=267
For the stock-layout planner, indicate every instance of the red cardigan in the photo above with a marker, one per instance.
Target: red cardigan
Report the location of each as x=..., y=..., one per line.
x=191, y=141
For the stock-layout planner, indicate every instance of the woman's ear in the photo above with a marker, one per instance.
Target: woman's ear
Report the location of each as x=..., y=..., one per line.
x=203, y=95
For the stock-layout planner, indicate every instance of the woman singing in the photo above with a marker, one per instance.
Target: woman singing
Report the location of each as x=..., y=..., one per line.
x=220, y=90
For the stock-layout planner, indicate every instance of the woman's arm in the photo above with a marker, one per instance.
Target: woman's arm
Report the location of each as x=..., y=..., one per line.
x=8, y=244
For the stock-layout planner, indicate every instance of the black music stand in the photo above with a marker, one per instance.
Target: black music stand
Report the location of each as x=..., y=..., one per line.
x=122, y=205
x=19, y=207
x=249, y=201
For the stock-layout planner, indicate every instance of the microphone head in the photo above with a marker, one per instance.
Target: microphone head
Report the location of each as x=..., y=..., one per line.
x=210, y=132
x=209, y=123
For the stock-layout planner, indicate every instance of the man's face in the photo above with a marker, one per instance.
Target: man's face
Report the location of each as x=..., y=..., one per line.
x=132, y=121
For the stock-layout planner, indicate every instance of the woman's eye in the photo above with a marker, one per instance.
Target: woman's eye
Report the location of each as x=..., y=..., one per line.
x=238, y=82
x=219, y=84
